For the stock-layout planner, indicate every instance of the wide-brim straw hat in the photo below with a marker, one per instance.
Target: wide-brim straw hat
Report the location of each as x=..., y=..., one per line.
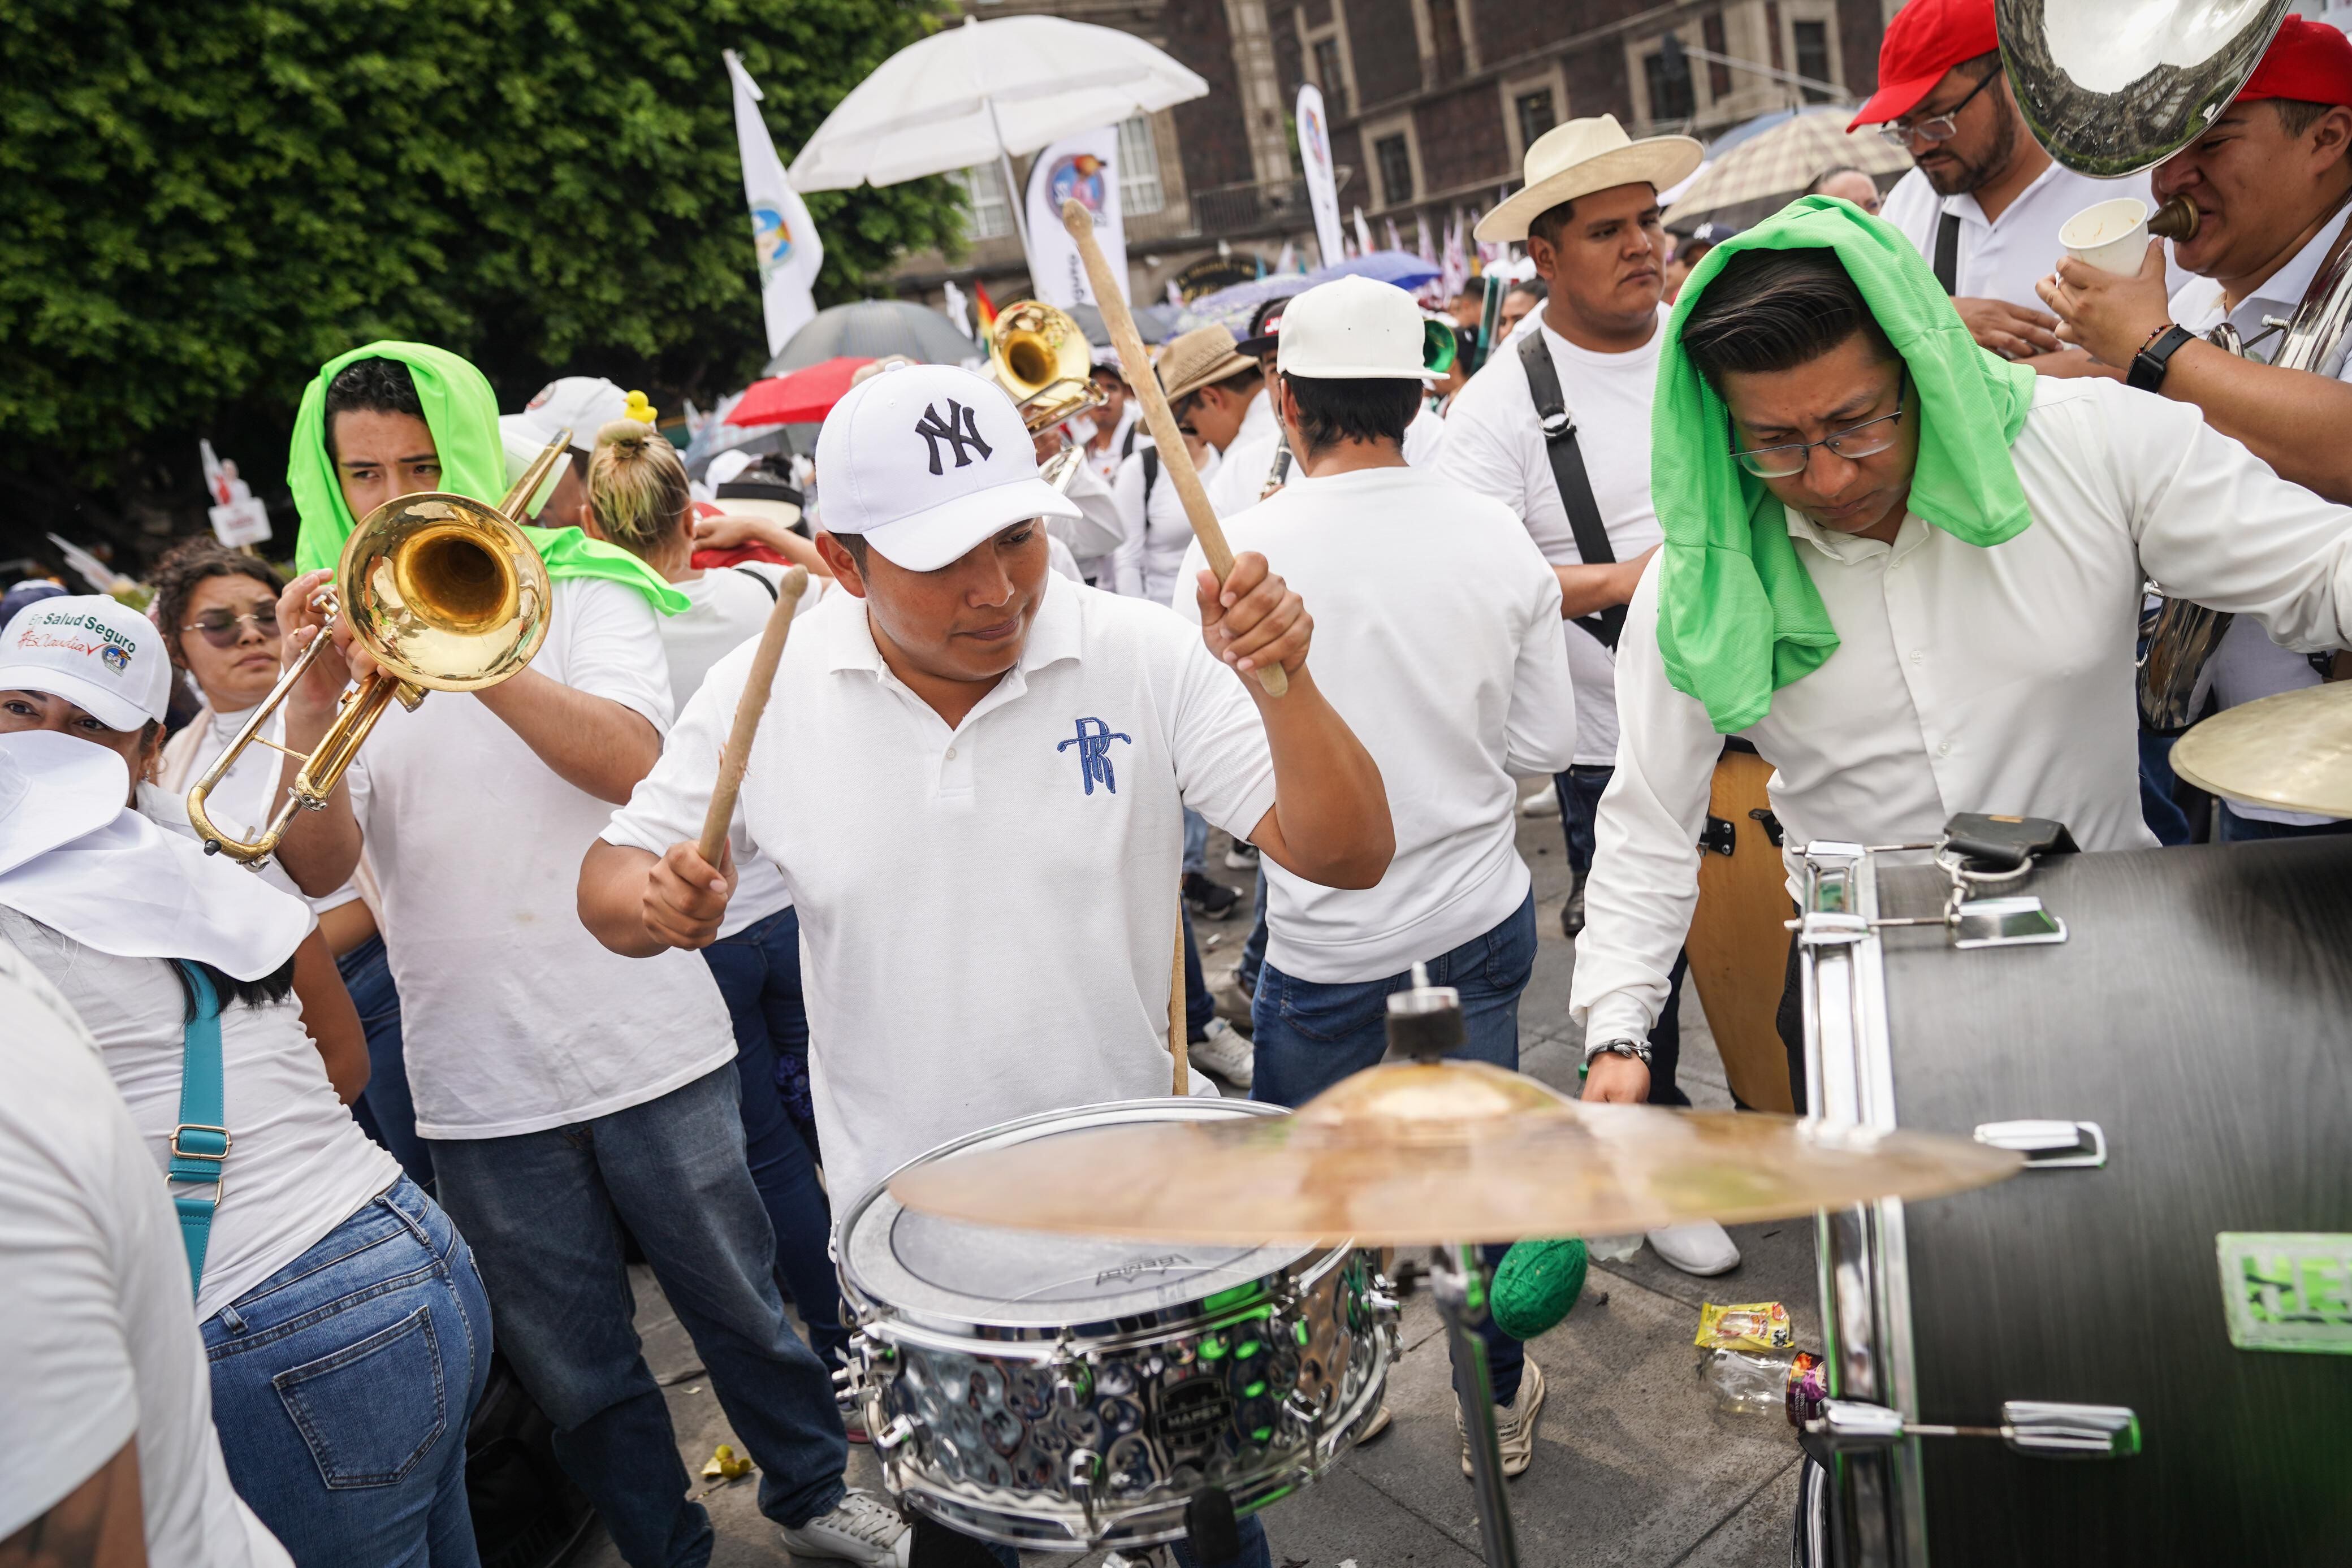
x=1584, y=156
x=1201, y=356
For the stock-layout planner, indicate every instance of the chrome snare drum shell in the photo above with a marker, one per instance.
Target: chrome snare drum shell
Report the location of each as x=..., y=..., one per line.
x=1061, y=1393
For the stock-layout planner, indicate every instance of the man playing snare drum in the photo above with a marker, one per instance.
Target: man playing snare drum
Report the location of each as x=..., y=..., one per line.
x=972, y=775
x=1910, y=574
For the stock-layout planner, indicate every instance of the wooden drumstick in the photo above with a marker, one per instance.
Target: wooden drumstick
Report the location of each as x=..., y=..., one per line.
x=737, y=754
x=1175, y=458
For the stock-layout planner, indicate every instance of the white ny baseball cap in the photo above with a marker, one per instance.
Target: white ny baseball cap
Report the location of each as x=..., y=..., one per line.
x=1353, y=328
x=583, y=404
x=97, y=654
x=924, y=462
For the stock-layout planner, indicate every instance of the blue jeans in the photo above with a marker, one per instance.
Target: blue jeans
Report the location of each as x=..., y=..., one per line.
x=1309, y=1036
x=1196, y=840
x=1579, y=802
x=544, y=1212
x=342, y=1384
x=1253, y=962
x=1199, y=1006
x=385, y=1110
x=1254, y=1553
x=2157, y=808
x=758, y=973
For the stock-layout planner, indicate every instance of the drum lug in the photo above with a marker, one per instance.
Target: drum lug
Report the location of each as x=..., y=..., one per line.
x=2050, y=1145
x=2037, y=1428
x=1720, y=836
x=1081, y=1478
x=889, y=1437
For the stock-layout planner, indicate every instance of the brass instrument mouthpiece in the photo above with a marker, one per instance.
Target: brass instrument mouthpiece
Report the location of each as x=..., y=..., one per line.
x=2176, y=220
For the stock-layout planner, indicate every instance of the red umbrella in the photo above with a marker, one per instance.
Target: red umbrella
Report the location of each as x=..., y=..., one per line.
x=801, y=397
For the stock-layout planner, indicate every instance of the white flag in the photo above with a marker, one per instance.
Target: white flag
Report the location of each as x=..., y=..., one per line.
x=782, y=237
x=1084, y=168
x=1364, y=246
x=1322, y=189
x=1288, y=260
x=958, y=306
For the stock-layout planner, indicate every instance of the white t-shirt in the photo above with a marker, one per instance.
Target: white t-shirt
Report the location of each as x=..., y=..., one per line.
x=2004, y=260
x=1246, y=460
x=1095, y=535
x=1494, y=446
x=244, y=802
x=1425, y=439
x=299, y=1165
x=101, y=1347
x=515, y=1018
x=1125, y=437
x=729, y=609
x=2248, y=664
x=1436, y=635
x=988, y=912
x=1158, y=531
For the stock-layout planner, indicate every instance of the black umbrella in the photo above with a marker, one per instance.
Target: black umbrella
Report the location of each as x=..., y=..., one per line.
x=874, y=330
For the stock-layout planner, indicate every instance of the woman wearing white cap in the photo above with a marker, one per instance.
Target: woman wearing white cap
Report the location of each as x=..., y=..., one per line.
x=346, y=1328
x=973, y=777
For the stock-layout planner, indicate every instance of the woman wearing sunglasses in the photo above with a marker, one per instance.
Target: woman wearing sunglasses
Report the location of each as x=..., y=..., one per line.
x=218, y=610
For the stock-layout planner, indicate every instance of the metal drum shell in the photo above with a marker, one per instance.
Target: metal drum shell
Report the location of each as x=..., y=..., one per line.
x=2200, y=1013
x=990, y=1457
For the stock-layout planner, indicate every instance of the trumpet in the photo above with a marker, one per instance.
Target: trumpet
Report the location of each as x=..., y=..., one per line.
x=1041, y=356
x=446, y=593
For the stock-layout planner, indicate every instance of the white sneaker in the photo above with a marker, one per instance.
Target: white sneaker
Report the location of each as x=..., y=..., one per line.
x=1243, y=856
x=1701, y=1247
x=861, y=1529
x=1515, y=1425
x=1226, y=1053
x=1232, y=1002
x=1544, y=802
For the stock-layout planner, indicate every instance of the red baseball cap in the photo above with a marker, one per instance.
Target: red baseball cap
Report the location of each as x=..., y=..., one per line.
x=2309, y=61
x=1925, y=40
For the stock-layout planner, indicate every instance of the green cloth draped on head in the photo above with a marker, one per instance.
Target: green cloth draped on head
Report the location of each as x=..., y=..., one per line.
x=463, y=415
x=1738, y=616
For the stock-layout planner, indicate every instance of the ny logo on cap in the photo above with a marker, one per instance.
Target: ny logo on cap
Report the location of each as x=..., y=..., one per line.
x=959, y=429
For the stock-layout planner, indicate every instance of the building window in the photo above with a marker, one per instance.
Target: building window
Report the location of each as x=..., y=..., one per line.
x=984, y=192
x=1812, y=55
x=1670, y=89
x=1718, y=75
x=1535, y=116
x=1328, y=77
x=1140, y=191
x=1396, y=171
x=1446, y=37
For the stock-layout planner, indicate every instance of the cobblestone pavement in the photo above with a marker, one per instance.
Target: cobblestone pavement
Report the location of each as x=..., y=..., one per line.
x=1634, y=1466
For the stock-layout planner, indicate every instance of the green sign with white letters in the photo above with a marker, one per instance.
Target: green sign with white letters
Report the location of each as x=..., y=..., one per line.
x=2287, y=1290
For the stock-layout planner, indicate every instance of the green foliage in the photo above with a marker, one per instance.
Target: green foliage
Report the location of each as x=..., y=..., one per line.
x=204, y=202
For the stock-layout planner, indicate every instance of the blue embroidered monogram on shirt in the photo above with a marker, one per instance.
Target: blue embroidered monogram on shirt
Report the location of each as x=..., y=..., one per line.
x=1094, y=753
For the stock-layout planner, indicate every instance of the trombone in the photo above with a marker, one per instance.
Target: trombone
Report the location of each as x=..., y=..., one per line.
x=1041, y=356
x=446, y=593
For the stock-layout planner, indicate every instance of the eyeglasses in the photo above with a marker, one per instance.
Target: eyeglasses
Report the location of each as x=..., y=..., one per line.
x=1868, y=439
x=1940, y=128
x=222, y=630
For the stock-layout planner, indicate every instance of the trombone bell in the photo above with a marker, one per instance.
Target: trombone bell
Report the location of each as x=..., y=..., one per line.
x=1043, y=359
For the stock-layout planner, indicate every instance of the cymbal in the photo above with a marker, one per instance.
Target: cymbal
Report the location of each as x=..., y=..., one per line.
x=2292, y=751
x=1407, y=1153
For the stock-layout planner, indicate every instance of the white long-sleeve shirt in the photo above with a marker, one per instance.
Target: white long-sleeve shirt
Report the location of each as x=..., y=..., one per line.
x=1967, y=679
x=1437, y=639
x=1157, y=532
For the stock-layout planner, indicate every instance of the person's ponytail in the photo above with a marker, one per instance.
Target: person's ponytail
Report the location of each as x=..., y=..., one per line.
x=636, y=485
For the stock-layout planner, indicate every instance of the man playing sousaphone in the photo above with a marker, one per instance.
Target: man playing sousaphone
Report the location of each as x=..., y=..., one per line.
x=1909, y=572
x=2271, y=179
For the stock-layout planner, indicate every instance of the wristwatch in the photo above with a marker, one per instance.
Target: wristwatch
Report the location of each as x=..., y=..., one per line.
x=2147, y=366
x=1639, y=1050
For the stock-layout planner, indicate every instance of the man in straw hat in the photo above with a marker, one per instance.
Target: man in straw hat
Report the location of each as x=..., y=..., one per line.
x=1909, y=574
x=1556, y=427
x=1218, y=394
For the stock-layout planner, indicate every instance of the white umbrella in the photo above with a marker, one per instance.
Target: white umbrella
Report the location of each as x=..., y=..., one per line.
x=987, y=90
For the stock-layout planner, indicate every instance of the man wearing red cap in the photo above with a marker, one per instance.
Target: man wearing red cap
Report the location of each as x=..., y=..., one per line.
x=2271, y=179
x=1985, y=202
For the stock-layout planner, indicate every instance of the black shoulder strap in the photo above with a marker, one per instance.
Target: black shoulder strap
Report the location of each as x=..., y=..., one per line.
x=1127, y=447
x=1150, y=472
x=1568, y=474
x=1948, y=252
x=759, y=578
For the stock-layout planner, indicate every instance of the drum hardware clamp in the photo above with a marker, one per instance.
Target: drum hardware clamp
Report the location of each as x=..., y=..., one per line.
x=2016, y=921
x=1722, y=834
x=2050, y=1145
x=2037, y=1428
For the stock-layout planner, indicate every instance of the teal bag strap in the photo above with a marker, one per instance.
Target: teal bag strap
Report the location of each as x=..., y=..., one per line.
x=200, y=1144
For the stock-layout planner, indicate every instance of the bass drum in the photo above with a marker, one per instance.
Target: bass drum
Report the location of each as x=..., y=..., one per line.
x=2164, y=1297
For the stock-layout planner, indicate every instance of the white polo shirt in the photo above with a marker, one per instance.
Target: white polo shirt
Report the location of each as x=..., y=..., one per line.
x=988, y=912
x=2248, y=664
x=515, y=1018
x=2004, y=258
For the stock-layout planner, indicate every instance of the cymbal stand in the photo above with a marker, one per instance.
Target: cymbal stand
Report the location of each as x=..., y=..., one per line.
x=1457, y=1279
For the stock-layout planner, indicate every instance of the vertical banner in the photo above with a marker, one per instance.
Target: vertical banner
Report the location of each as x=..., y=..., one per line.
x=1322, y=183
x=782, y=237
x=1084, y=168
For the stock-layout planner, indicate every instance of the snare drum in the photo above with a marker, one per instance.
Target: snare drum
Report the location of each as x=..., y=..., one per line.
x=1060, y=1392
x=2135, y=1329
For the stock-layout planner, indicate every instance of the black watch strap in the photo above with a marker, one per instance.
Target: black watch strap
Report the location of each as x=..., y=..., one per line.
x=2147, y=366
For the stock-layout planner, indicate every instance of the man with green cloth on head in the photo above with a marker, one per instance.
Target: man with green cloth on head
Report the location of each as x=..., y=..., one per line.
x=1909, y=573
x=569, y=1091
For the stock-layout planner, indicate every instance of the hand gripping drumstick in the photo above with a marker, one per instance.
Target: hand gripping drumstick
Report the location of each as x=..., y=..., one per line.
x=1174, y=457
x=737, y=754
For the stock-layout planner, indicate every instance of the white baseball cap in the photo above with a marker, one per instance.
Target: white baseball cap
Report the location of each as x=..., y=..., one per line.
x=924, y=462
x=97, y=654
x=1353, y=328
x=583, y=404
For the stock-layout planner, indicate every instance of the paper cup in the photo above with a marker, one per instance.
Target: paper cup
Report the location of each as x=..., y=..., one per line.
x=2111, y=237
